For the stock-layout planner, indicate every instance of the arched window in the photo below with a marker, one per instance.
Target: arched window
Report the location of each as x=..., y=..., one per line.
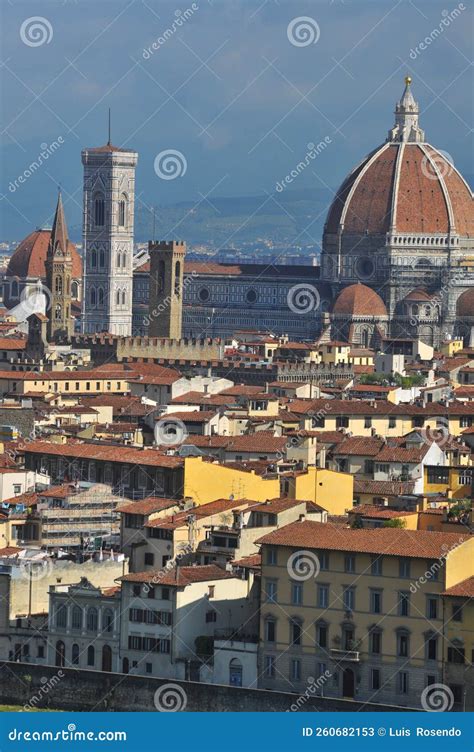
x=90, y=655
x=68, y=285
x=58, y=312
x=75, y=290
x=161, y=276
x=117, y=297
x=76, y=620
x=75, y=654
x=94, y=259
x=101, y=296
x=92, y=619
x=177, y=279
x=61, y=616
x=119, y=260
x=122, y=210
x=58, y=285
x=124, y=259
x=93, y=296
x=124, y=297
x=102, y=259
x=235, y=673
x=99, y=210
x=60, y=653
x=107, y=620
x=14, y=289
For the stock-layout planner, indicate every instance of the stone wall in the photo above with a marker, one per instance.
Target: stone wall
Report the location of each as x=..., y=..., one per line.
x=80, y=690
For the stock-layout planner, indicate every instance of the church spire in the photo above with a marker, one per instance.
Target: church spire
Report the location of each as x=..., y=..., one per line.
x=406, y=126
x=59, y=237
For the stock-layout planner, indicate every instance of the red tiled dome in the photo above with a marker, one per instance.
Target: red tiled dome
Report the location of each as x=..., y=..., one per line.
x=359, y=300
x=29, y=257
x=418, y=295
x=403, y=187
x=465, y=304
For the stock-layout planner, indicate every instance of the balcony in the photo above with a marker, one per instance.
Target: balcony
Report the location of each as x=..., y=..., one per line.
x=353, y=656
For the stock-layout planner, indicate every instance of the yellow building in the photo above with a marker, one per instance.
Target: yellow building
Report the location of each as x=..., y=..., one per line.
x=455, y=482
x=334, y=352
x=451, y=346
x=66, y=383
x=360, y=608
x=458, y=617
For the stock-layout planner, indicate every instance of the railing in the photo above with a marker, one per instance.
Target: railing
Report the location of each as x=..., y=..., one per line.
x=234, y=635
x=345, y=655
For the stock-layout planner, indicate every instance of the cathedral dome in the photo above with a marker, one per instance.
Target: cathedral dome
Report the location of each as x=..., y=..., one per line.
x=359, y=300
x=418, y=296
x=465, y=304
x=403, y=186
x=29, y=258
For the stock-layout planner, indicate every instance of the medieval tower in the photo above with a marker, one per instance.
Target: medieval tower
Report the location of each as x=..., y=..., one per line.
x=109, y=195
x=58, y=278
x=166, y=288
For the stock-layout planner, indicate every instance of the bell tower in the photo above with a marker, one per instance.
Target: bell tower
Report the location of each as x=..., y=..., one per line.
x=58, y=278
x=166, y=288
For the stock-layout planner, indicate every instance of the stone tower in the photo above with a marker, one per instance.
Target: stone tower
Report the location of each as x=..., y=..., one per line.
x=109, y=196
x=58, y=278
x=166, y=288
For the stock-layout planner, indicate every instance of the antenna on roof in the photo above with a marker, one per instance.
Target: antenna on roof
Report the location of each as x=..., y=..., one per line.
x=109, y=141
x=154, y=223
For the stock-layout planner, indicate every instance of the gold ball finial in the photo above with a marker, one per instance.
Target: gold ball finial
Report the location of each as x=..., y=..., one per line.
x=408, y=80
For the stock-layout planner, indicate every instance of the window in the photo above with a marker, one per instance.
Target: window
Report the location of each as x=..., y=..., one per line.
x=375, y=678
x=101, y=296
x=211, y=591
x=456, y=652
x=121, y=213
x=323, y=596
x=149, y=559
x=432, y=647
x=323, y=557
x=342, y=421
x=269, y=666
x=271, y=591
x=270, y=630
x=375, y=641
x=392, y=422
x=349, y=563
x=271, y=555
x=296, y=593
x=322, y=635
x=404, y=568
x=376, y=601
x=432, y=608
x=438, y=475
x=402, y=682
x=107, y=620
x=61, y=616
x=404, y=604
x=136, y=590
x=376, y=566
x=92, y=620
x=348, y=598
x=456, y=611
x=151, y=592
x=148, y=668
x=76, y=621
x=295, y=669
x=403, y=644
x=75, y=654
x=211, y=616
x=367, y=422
x=40, y=651
x=99, y=211
x=90, y=655
x=16, y=489
x=295, y=632
x=165, y=594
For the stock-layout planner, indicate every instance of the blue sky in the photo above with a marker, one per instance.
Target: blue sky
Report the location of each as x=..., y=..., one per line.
x=227, y=89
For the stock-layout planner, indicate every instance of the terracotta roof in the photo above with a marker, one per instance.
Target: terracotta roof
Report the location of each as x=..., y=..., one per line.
x=402, y=454
x=464, y=589
x=381, y=407
x=261, y=441
x=360, y=445
x=147, y=506
x=418, y=295
x=244, y=390
x=180, y=576
x=389, y=541
x=254, y=561
x=384, y=487
x=195, y=416
x=29, y=258
x=199, y=398
x=359, y=300
x=375, y=512
x=104, y=453
x=10, y=551
x=106, y=149
x=275, y=506
x=12, y=343
x=465, y=304
x=219, y=506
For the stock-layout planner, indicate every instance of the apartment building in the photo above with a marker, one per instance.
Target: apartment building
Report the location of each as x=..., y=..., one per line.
x=362, y=607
